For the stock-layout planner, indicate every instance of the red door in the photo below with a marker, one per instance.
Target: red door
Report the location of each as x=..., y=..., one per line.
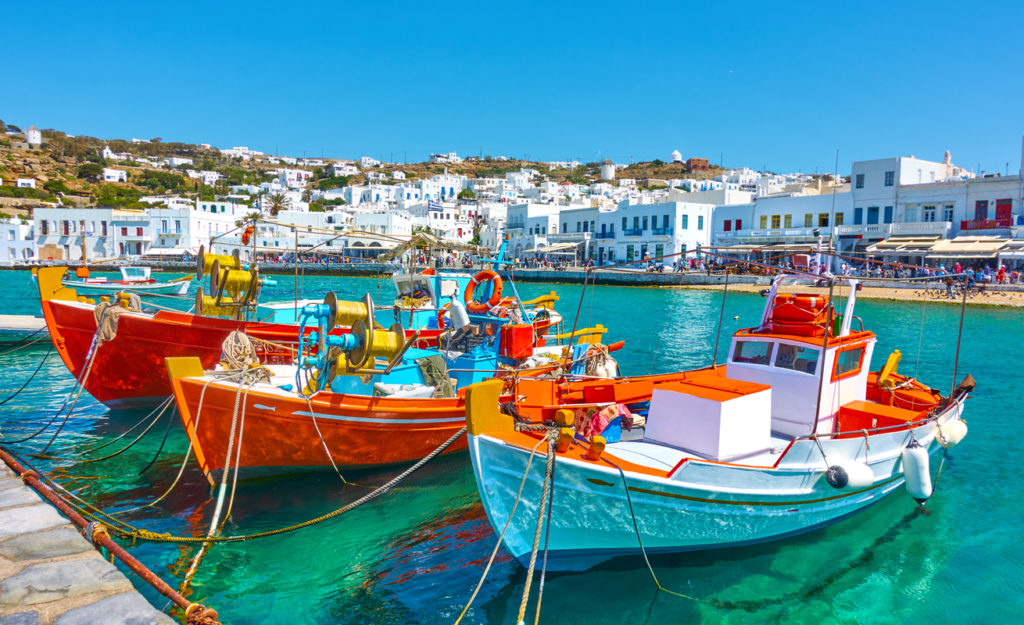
x=1003, y=212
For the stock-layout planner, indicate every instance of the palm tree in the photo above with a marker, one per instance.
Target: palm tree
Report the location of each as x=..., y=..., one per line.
x=278, y=203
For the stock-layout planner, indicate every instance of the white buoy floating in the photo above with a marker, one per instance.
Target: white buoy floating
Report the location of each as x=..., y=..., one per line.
x=951, y=433
x=916, y=473
x=849, y=474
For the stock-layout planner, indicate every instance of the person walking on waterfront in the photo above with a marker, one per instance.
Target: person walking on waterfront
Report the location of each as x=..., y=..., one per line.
x=949, y=287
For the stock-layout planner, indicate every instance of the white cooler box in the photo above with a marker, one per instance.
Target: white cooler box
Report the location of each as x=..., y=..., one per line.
x=716, y=425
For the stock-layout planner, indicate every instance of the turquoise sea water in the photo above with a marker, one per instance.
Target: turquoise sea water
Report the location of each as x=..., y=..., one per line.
x=415, y=554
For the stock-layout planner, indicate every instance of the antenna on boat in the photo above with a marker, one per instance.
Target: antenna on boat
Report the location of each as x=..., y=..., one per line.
x=721, y=316
x=959, y=335
x=824, y=349
x=832, y=220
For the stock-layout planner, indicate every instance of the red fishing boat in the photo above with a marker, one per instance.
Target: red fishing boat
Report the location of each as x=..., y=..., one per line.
x=129, y=369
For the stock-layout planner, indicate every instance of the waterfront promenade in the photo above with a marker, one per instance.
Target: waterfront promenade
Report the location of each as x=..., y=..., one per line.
x=49, y=573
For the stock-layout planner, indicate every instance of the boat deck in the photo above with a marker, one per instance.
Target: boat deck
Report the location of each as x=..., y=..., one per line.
x=662, y=457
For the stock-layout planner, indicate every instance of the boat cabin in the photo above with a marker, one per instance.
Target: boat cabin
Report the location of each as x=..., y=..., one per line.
x=786, y=351
x=788, y=377
x=135, y=274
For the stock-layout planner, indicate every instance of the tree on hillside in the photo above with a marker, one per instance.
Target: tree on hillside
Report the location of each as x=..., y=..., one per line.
x=277, y=202
x=90, y=170
x=466, y=194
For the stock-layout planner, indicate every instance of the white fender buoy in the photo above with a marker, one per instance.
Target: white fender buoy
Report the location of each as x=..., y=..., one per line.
x=916, y=473
x=849, y=474
x=951, y=433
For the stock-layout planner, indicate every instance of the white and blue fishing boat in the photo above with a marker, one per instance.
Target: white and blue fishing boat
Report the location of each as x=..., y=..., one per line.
x=135, y=280
x=791, y=433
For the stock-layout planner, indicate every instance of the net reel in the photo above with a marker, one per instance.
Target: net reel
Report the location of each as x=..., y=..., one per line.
x=204, y=261
x=233, y=288
x=353, y=353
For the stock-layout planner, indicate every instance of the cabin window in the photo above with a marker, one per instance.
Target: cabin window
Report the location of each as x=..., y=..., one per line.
x=848, y=362
x=797, y=358
x=754, y=352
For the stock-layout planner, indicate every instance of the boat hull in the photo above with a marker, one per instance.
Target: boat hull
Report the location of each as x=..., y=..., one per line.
x=278, y=434
x=699, y=505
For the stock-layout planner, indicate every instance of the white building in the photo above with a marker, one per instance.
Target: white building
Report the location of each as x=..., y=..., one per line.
x=25, y=183
x=18, y=241
x=107, y=232
x=114, y=175
x=241, y=152
x=33, y=136
x=366, y=161
x=177, y=161
x=892, y=197
x=295, y=178
x=635, y=232
x=344, y=168
x=208, y=178
x=447, y=157
x=182, y=228
x=675, y=157
x=111, y=155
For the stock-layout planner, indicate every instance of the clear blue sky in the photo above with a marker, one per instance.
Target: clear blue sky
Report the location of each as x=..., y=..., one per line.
x=764, y=84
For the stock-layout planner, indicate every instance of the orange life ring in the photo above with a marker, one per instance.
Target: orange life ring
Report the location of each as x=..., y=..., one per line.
x=480, y=308
x=440, y=316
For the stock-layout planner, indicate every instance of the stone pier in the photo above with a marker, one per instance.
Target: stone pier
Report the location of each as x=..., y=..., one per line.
x=50, y=575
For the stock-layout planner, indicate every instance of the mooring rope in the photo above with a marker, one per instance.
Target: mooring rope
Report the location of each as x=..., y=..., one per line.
x=135, y=533
x=330, y=456
x=540, y=526
x=131, y=429
x=501, y=534
x=25, y=342
x=30, y=378
x=163, y=441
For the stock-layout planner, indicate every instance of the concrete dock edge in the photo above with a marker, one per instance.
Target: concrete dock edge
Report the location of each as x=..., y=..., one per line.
x=49, y=573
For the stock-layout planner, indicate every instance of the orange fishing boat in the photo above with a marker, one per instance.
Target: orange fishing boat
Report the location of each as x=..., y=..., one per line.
x=278, y=431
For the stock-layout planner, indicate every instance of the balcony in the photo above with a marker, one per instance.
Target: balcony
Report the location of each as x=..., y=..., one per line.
x=604, y=235
x=986, y=224
x=940, y=228
x=872, y=231
x=661, y=231
x=634, y=232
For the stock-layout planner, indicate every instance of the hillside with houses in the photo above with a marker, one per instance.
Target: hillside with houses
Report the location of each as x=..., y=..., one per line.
x=159, y=199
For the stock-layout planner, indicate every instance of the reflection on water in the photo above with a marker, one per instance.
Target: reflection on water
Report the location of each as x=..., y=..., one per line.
x=415, y=554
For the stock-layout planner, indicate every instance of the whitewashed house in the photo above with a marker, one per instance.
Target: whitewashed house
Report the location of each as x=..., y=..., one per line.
x=33, y=136
x=344, y=168
x=176, y=161
x=114, y=175
x=25, y=183
x=18, y=241
x=295, y=178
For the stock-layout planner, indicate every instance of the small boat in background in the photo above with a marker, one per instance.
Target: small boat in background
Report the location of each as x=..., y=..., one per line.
x=135, y=280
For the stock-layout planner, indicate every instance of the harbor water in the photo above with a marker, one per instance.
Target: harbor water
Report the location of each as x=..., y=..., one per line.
x=415, y=554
